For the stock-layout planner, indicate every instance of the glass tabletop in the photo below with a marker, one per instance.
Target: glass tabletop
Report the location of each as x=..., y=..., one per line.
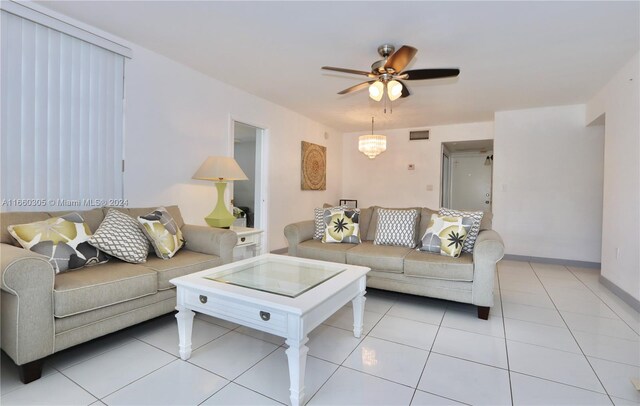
x=279, y=277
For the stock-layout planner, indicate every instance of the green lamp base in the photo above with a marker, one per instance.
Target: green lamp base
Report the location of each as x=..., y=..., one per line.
x=220, y=217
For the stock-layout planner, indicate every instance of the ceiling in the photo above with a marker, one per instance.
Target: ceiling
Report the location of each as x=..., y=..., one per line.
x=512, y=55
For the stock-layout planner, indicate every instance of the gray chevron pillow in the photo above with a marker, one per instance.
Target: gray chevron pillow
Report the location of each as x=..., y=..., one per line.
x=120, y=235
x=396, y=227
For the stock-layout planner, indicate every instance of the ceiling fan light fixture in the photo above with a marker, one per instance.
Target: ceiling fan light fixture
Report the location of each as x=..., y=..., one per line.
x=376, y=90
x=394, y=89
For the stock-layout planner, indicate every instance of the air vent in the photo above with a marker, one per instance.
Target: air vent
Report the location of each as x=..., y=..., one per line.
x=419, y=135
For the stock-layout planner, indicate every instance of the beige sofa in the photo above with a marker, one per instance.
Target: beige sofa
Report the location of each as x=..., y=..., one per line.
x=43, y=313
x=467, y=279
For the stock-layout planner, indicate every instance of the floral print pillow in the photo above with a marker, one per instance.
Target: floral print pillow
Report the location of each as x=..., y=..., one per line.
x=163, y=232
x=63, y=240
x=445, y=235
x=341, y=225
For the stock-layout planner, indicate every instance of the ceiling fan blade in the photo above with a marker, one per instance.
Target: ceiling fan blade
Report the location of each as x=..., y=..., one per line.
x=405, y=90
x=356, y=87
x=353, y=71
x=420, y=74
x=401, y=58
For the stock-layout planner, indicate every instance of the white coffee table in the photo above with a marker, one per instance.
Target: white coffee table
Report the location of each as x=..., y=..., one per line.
x=281, y=295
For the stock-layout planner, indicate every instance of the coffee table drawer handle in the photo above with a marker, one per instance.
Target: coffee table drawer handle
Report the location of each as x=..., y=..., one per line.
x=265, y=315
x=203, y=299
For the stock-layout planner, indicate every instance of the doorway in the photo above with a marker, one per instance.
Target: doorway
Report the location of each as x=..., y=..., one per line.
x=467, y=179
x=247, y=195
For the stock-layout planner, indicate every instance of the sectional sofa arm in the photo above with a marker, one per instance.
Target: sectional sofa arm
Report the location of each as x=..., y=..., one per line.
x=487, y=251
x=209, y=240
x=297, y=233
x=26, y=321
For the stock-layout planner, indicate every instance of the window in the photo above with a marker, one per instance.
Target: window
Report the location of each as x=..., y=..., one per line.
x=61, y=118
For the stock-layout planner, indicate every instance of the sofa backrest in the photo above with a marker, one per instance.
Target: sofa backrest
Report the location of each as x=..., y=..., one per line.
x=92, y=217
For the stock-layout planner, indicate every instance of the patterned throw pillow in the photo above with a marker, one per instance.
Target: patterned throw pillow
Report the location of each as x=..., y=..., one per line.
x=446, y=235
x=120, y=235
x=396, y=227
x=163, y=232
x=475, y=227
x=318, y=220
x=62, y=239
x=341, y=225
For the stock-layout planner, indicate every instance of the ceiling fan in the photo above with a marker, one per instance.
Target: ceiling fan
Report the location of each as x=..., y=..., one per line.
x=388, y=73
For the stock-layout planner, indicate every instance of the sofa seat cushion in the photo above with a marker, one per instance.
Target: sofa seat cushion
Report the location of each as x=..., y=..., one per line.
x=428, y=265
x=102, y=285
x=387, y=258
x=183, y=262
x=315, y=249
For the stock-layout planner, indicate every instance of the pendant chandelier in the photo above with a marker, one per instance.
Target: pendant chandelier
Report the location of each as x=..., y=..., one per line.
x=372, y=145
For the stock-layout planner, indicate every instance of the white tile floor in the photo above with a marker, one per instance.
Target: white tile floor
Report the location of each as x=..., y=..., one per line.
x=555, y=336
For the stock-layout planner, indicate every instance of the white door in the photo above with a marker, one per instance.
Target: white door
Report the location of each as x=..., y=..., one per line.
x=470, y=182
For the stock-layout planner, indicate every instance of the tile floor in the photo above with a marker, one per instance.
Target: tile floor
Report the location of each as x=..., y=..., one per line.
x=555, y=336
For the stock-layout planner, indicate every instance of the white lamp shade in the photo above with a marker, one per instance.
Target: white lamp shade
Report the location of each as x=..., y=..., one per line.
x=394, y=89
x=372, y=145
x=376, y=90
x=220, y=168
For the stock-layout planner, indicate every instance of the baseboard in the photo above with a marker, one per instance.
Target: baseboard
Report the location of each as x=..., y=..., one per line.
x=280, y=251
x=555, y=261
x=622, y=294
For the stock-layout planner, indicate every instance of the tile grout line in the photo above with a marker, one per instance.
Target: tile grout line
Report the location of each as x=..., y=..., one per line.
x=600, y=298
x=571, y=332
x=504, y=330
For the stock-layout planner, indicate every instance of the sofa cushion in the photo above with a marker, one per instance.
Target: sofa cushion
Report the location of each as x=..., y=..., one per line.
x=425, y=218
x=387, y=258
x=92, y=288
x=445, y=235
x=365, y=221
x=135, y=212
x=183, y=263
x=314, y=249
x=427, y=265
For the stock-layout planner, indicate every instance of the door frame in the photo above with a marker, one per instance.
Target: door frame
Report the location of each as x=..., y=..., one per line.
x=445, y=189
x=261, y=190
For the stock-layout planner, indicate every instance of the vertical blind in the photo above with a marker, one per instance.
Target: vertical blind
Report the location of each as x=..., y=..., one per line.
x=61, y=119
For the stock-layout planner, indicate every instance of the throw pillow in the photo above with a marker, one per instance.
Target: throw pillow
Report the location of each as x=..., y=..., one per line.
x=341, y=225
x=396, y=227
x=445, y=235
x=163, y=232
x=318, y=219
x=470, y=241
x=120, y=235
x=62, y=239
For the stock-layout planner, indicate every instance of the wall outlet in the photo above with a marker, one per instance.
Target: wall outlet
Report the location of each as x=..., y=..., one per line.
x=412, y=167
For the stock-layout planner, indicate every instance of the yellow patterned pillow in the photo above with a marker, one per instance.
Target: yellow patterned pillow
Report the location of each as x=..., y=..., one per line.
x=163, y=232
x=62, y=239
x=445, y=235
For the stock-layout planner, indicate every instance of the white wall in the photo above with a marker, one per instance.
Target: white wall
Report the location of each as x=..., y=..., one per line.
x=244, y=191
x=619, y=100
x=176, y=117
x=386, y=181
x=547, y=184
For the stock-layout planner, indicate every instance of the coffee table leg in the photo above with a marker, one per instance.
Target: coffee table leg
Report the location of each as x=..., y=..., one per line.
x=297, y=357
x=185, y=326
x=358, y=314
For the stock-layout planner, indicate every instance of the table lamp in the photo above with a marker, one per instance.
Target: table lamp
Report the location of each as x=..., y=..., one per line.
x=220, y=169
